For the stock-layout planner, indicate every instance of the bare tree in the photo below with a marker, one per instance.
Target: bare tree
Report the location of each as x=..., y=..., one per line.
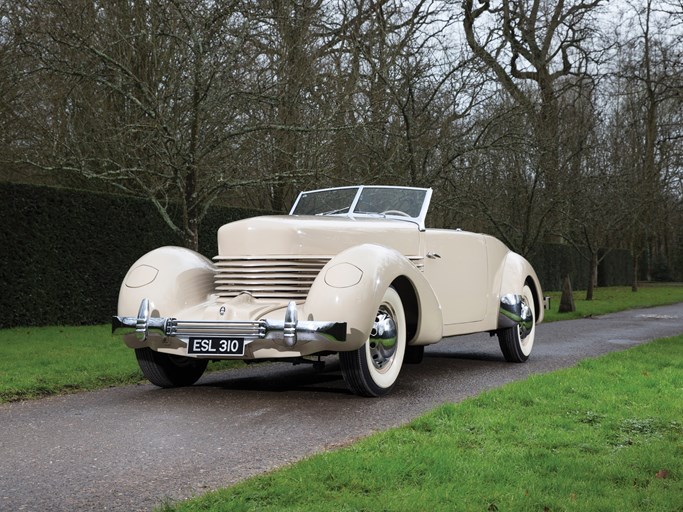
x=509, y=119
x=539, y=43
x=155, y=97
x=9, y=90
x=649, y=78
x=595, y=215
x=404, y=89
x=294, y=48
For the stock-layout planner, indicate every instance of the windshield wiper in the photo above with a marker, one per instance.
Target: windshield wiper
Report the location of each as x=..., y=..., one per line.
x=378, y=214
x=345, y=209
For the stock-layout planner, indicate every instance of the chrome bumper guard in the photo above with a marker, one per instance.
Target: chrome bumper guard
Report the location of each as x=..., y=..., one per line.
x=290, y=331
x=515, y=311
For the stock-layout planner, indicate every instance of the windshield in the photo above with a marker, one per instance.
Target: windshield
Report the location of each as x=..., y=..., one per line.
x=325, y=202
x=405, y=203
x=391, y=200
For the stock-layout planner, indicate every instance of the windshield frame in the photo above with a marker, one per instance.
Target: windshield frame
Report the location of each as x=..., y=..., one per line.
x=352, y=209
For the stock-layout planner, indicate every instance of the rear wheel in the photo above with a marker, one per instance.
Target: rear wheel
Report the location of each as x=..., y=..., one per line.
x=515, y=343
x=373, y=369
x=169, y=371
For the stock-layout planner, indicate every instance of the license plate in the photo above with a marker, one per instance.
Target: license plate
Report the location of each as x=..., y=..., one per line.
x=216, y=346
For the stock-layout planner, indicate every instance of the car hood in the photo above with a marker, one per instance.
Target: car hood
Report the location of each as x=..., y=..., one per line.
x=314, y=235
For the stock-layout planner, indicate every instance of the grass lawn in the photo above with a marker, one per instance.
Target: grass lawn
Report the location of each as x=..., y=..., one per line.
x=615, y=298
x=41, y=361
x=605, y=435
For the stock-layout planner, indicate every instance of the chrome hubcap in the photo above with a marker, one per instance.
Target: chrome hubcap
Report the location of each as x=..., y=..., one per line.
x=383, y=340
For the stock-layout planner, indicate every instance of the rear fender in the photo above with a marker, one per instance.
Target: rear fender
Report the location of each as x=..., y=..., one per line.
x=517, y=271
x=350, y=288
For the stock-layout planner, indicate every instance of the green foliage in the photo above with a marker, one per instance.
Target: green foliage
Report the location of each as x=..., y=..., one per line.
x=587, y=438
x=65, y=252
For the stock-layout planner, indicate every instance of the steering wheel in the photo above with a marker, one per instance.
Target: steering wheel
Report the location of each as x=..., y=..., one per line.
x=395, y=212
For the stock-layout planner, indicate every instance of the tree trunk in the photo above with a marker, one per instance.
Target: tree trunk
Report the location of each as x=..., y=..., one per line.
x=192, y=235
x=592, y=276
x=634, y=282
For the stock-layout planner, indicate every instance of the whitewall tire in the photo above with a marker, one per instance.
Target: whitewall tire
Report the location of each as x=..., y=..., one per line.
x=372, y=370
x=516, y=347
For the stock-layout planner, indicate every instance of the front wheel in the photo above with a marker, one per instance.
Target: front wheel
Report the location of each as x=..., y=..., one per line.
x=373, y=369
x=169, y=371
x=516, y=344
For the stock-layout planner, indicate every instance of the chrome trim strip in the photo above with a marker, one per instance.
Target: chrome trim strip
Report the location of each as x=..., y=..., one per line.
x=290, y=331
x=418, y=261
x=204, y=328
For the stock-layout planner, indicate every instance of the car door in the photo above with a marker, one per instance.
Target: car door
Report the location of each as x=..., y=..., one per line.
x=456, y=266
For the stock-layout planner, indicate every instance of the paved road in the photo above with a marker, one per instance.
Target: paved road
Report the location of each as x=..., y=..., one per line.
x=130, y=448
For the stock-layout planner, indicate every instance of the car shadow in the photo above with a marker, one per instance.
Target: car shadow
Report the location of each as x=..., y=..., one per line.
x=283, y=377
x=467, y=356
x=279, y=378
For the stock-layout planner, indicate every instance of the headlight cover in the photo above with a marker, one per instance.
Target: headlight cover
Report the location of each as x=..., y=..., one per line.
x=140, y=276
x=343, y=275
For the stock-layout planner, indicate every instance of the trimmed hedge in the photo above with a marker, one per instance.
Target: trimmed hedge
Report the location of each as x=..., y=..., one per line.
x=554, y=261
x=65, y=252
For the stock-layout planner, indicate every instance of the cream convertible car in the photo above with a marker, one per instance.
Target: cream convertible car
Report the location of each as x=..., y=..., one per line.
x=350, y=270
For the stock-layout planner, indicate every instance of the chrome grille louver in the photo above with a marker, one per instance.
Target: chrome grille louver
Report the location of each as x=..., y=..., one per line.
x=276, y=277
x=418, y=261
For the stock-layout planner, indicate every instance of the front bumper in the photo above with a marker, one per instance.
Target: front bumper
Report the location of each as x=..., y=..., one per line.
x=289, y=332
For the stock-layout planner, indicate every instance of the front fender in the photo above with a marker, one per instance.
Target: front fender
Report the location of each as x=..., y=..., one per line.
x=351, y=285
x=172, y=278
